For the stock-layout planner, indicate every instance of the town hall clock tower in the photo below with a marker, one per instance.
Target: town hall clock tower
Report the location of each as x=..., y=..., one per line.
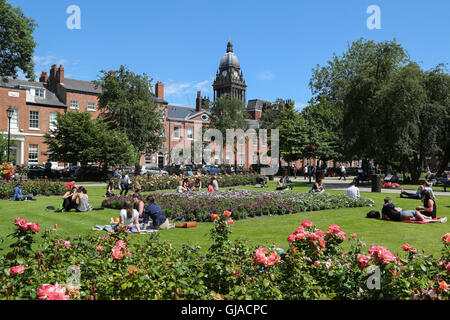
x=229, y=78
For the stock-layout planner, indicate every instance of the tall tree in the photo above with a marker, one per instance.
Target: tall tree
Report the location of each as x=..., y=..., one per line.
x=78, y=138
x=127, y=101
x=292, y=127
x=229, y=113
x=16, y=42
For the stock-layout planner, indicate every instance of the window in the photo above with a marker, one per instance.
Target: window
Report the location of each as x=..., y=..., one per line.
x=176, y=132
x=34, y=119
x=39, y=92
x=15, y=120
x=190, y=133
x=264, y=140
x=264, y=159
x=255, y=157
x=241, y=159
x=162, y=113
x=33, y=153
x=91, y=106
x=148, y=158
x=53, y=121
x=228, y=158
x=255, y=140
x=74, y=104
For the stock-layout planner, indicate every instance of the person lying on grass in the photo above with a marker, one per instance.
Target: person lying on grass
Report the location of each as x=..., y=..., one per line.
x=418, y=195
x=391, y=212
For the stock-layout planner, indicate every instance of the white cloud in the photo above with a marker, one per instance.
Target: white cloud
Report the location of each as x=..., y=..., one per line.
x=265, y=76
x=174, y=89
x=299, y=106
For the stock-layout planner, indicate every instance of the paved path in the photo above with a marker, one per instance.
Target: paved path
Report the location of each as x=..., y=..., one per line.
x=330, y=184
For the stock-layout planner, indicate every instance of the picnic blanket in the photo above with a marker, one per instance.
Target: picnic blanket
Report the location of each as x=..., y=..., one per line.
x=415, y=221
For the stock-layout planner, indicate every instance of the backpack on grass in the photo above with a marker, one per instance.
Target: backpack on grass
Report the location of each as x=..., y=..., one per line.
x=374, y=214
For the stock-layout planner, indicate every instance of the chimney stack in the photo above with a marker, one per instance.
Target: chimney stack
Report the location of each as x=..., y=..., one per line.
x=159, y=90
x=60, y=74
x=198, y=102
x=44, y=77
x=52, y=79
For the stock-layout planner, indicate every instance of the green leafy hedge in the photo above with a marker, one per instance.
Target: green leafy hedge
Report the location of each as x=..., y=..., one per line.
x=35, y=187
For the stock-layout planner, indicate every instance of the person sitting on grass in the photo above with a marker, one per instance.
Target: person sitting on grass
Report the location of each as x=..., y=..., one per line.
x=68, y=202
x=391, y=212
x=129, y=217
x=18, y=196
x=210, y=187
x=429, y=205
x=181, y=188
x=280, y=185
x=318, y=187
x=154, y=212
x=82, y=200
x=138, y=204
x=353, y=191
x=110, y=190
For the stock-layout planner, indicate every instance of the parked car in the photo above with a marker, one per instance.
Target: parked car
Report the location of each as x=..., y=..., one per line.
x=233, y=170
x=68, y=172
x=92, y=173
x=152, y=170
x=210, y=169
x=37, y=171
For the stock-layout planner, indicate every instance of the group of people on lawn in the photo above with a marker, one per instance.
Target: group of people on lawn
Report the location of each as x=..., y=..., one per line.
x=185, y=185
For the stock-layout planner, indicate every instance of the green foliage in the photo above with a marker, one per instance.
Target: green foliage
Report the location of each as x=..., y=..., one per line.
x=78, y=138
x=309, y=269
x=127, y=102
x=16, y=42
x=34, y=187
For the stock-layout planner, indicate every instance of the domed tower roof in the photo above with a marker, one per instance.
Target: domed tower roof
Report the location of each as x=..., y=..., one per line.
x=229, y=58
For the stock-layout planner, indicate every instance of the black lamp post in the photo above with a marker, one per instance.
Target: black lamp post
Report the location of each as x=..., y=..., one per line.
x=10, y=113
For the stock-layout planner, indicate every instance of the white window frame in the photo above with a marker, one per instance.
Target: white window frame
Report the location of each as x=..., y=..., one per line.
x=39, y=92
x=176, y=132
x=53, y=124
x=15, y=120
x=190, y=134
x=89, y=108
x=32, y=151
x=30, y=119
x=73, y=103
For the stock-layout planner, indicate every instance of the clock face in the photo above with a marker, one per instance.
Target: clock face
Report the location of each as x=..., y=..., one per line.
x=224, y=73
x=236, y=74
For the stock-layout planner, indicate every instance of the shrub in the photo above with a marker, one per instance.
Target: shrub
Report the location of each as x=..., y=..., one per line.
x=314, y=267
x=35, y=187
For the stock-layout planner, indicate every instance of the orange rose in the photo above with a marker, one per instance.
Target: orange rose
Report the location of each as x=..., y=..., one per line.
x=227, y=213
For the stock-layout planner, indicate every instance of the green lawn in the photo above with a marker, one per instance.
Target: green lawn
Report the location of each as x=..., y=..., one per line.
x=259, y=231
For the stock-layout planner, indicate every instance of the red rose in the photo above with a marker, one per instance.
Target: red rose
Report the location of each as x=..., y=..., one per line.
x=307, y=223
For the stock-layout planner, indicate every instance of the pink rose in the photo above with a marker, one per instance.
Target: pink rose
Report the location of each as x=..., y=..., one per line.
x=116, y=253
x=35, y=227
x=446, y=238
x=407, y=247
x=291, y=238
x=99, y=248
x=52, y=292
x=67, y=244
x=17, y=270
x=448, y=267
x=316, y=263
x=307, y=223
x=363, y=261
x=22, y=224
x=353, y=235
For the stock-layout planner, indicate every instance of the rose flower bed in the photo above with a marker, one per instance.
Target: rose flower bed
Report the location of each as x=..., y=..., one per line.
x=313, y=267
x=197, y=206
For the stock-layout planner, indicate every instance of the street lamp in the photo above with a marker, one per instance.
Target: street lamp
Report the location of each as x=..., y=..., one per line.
x=10, y=113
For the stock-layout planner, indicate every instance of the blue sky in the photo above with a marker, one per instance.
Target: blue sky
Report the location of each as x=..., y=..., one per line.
x=181, y=42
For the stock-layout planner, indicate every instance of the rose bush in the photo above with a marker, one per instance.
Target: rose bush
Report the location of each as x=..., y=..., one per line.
x=315, y=266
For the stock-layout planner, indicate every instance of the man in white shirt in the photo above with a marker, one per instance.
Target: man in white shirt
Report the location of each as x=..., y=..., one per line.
x=353, y=191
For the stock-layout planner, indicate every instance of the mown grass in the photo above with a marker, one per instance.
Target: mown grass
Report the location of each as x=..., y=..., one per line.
x=264, y=231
